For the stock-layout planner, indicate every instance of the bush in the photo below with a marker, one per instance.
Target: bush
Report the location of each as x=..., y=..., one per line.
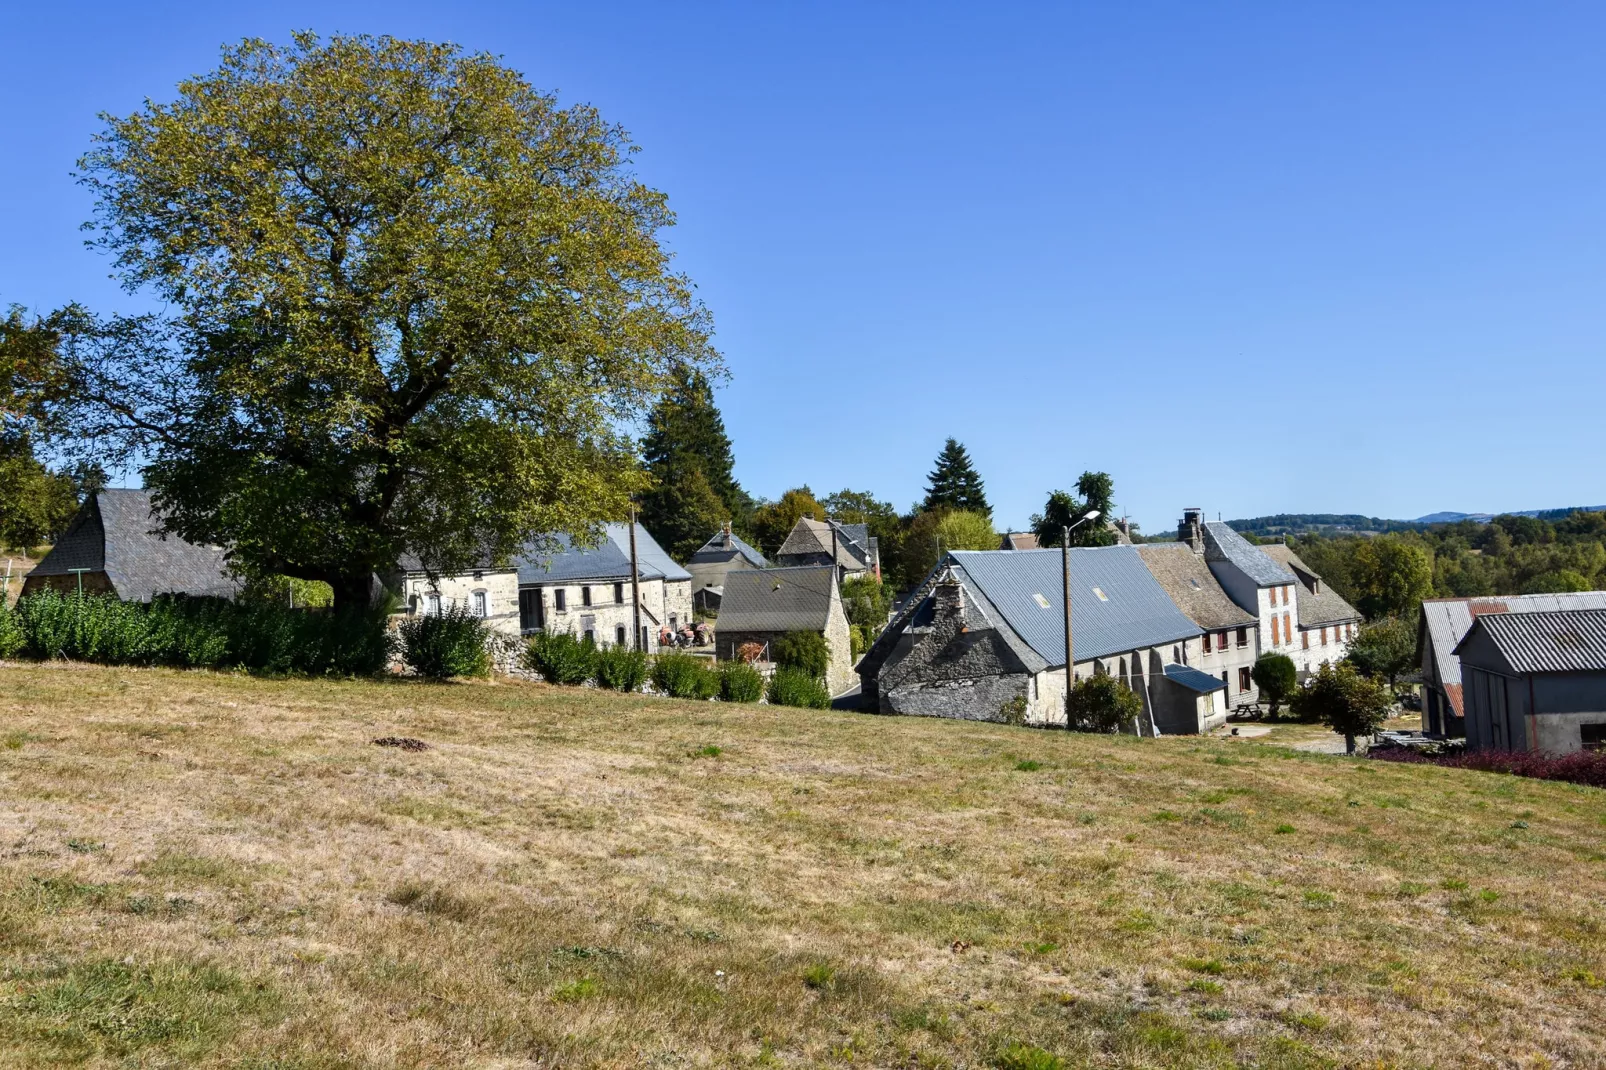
x=621, y=668
x=440, y=646
x=187, y=632
x=804, y=651
x=1102, y=703
x=794, y=687
x=1276, y=677
x=684, y=676
x=11, y=637
x=1580, y=767
x=560, y=658
x=740, y=682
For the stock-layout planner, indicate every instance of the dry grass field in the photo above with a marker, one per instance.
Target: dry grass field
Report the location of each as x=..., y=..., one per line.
x=206, y=869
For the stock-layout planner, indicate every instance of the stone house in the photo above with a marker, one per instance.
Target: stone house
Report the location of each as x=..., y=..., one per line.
x=1535, y=681
x=1231, y=642
x=112, y=546
x=1444, y=622
x=983, y=638
x=811, y=542
x=722, y=553
x=1326, y=623
x=556, y=585
x=761, y=606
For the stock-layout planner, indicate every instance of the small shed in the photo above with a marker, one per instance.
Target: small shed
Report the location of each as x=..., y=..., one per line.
x=114, y=546
x=1535, y=681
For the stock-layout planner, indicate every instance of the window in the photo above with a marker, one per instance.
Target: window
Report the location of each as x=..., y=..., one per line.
x=585, y=596
x=1221, y=641
x=1243, y=636
x=1224, y=681
x=1288, y=630
x=560, y=599
x=619, y=593
x=1324, y=635
x=432, y=603
x=1102, y=597
x=1287, y=591
x=529, y=609
x=482, y=604
x=1592, y=736
x=1274, y=639
x=1245, y=682
x=619, y=633
x=1304, y=639
x=1207, y=642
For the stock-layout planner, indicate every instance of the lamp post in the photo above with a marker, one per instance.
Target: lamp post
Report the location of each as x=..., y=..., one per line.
x=1065, y=571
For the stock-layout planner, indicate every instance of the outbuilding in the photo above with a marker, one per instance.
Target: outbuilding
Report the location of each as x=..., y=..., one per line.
x=1535, y=681
x=759, y=607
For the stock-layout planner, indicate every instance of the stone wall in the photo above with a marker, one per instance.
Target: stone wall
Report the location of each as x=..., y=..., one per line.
x=500, y=588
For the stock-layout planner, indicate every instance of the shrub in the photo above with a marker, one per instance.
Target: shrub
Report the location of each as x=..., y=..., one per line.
x=1102, y=703
x=1580, y=767
x=804, y=651
x=1345, y=701
x=1276, y=677
x=794, y=687
x=439, y=646
x=621, y=668
x=11, y=638
x=684, y=676
x=740, y=682
x=560, y=658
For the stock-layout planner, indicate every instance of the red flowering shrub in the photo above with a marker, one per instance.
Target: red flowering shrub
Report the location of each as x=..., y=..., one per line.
x=1580, y=767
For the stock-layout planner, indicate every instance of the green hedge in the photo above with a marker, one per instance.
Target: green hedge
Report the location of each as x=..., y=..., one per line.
x=621, y=669
x=684, y=676
x=740, y=682
x=804, y=651
x=560, y=658
x=795, y=687
x=440, y=646
x=210, y=633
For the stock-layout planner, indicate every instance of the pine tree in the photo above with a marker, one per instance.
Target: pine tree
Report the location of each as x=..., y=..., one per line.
x=954, y=483
x=689, y=455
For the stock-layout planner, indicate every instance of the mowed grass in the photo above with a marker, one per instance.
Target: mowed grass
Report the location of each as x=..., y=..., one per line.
x=201, y=869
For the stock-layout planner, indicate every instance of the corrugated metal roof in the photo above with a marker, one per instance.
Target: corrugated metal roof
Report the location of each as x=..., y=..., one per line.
x=1116, y=603
x=1194, y=679
x=1224, y=544
x=777, y=599
x=1572, y=640
x=1449, y=619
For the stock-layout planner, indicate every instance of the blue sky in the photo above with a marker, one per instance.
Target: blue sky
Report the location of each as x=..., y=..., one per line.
x=1256, y=258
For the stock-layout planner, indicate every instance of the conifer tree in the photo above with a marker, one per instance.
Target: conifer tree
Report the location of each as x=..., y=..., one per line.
x=689, y=455
x=954, y=483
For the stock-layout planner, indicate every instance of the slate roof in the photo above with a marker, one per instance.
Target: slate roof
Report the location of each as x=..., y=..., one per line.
x=608, y=561
x=777, y=599
x=115, y=532
x=1317, y=602
x=1568, y=640
x=714, y=551
x=1224, y=544
x=810, y=536
x=1193, y=679
x=1192, y=586
x=1019, y=540
x=1026, y=587
x=1446, y=621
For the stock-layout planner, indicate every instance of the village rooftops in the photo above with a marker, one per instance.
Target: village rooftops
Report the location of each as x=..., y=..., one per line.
x=1446, y=621
x=1224, y=544
x=777, y=599
x=556, y=558
x=1192, y=586
x=1570, y=640
x=1116, y=603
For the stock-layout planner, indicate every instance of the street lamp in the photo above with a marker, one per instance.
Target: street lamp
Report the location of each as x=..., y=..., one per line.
x=1065, y=570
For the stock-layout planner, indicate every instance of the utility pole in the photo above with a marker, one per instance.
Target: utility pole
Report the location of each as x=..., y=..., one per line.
x=635, y=583
x=1070, y=659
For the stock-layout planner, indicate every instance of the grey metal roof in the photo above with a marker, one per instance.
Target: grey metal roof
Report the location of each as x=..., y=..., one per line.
x=1193, y=679
x=1027, y=589
x=1446, y=621
x=1192, y=586
x=1224, y=544
x=608, y=561
x=115, y=531
x=1569, y=640
x=715, y=551
x=777, y=599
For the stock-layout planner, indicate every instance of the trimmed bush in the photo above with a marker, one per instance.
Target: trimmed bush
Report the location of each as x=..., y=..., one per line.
x=620, y=668
x=187, y=632
x=804, y=651
x=440, y=646
x=684, y=676
x=560, y=658
x=740, y=682
x=794, y=687
x=1580, y=767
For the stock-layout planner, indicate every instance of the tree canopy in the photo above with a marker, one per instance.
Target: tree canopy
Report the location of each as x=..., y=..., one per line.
x=1276, y=677
x=1345, y=701
x=963, y=530
x=773, y=521
x=1385, y=648
x=954, y=483
x=416, y=301
x=688, y=454
x=1063, y=509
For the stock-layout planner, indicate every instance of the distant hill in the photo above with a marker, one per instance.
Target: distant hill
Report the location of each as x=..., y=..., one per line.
x=1355, y=523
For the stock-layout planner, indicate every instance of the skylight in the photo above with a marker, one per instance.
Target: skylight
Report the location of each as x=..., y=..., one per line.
x=1102, y=596
x=1040, y=600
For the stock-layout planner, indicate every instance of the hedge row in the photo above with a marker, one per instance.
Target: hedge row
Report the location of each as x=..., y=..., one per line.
x=1580, y=767
x=563, y=659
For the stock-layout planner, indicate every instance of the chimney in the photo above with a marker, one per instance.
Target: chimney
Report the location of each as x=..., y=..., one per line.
x=948, y=600
x=1190, y=530
x=726, y=531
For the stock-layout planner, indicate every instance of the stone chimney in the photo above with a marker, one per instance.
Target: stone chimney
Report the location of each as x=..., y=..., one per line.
x=1190, y=529
x=948, y=600
x=726, y=531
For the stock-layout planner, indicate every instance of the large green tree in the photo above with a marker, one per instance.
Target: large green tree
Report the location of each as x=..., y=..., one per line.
x=688, y=454
x=1063, y=509
x=416, y=301
x=1385, y=648
x=773, y=521
x=1345, y=701
x=954, y=483
x=1391, y=575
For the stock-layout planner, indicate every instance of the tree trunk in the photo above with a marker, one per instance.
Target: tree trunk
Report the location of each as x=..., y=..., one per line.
x=352, y=591
x=1349, y=742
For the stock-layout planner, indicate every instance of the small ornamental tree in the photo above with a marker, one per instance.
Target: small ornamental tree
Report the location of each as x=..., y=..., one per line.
x=1103, y=704
x=1276, y=677
x=1345, y=701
